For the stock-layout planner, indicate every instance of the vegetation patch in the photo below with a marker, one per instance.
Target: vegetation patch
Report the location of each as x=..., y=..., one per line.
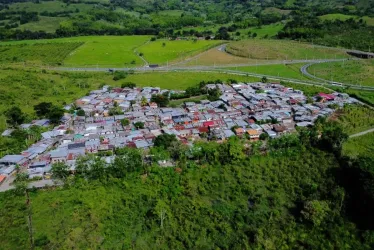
x=47, y=53
x=355, y=118
x=282, y=50
x=162, y=51
x=358, y=72
x=362, y=145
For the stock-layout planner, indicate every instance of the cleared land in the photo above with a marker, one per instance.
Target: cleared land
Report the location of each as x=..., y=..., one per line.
x=360, y=72
x=101, y=51
x=47, y=24
x=263, y=31
x=281, y=70
x=342, y=17
x=48, y=53
x=282, y=50
x=49, y=6
x=121, y=51
x=363, y=145
x=161, y=51
x=354, y=118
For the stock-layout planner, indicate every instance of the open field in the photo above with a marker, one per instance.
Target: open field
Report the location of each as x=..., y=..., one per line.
x=47, y=24
x=119, y=51
x=360, y=72
x=288, y=70
x=355, y=118
x=363, y=145
x=49, y=6
x=282, y=50
x=263, y=31
x=161, y=51
x=309, y=90
x=102, y=51
x=342, y=17
x=47, y=53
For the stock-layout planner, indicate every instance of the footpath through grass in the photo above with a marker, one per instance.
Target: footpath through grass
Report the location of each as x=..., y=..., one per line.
x=362, y=145
x=354, y=118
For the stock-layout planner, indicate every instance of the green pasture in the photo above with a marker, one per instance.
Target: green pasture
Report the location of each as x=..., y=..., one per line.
x=355, y=118
x=47, y=24
x=362, y=145
x=49, y=6
x=161, y=51
x=47, y=53
x=359, y=72
x=282, y=50
x=265, y=30
x=343, y=17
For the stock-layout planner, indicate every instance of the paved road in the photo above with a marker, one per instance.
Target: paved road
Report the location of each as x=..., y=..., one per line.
x=362, y=133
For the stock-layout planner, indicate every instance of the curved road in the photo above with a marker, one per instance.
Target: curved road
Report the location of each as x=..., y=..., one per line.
x=304, y=71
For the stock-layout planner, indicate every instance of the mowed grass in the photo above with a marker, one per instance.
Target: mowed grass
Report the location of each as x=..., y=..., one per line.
x=162, y=51
x=280, y=70
x=362, y=145
x=282, y=50
x=343, y=17
x=359, y=72
x=99, y=51
x=47, y=24
x=264, y=31
x=48, y=53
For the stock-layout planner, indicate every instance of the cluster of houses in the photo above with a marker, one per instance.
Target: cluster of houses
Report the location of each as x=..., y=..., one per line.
x=243, y=109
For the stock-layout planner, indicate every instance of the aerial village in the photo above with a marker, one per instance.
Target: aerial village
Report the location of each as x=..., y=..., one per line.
x=243, y=109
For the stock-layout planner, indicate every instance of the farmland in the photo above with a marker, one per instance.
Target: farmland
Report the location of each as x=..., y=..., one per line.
x=47, y=53
x=281, y=50
x=161, y=51
x=360, y=72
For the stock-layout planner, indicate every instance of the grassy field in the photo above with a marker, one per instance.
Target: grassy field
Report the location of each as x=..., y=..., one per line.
x=363, y=145
x=281, y=50
x=355, y=118
x=161, y=51
x=102, y=51
x=263, y=31
x=47, y=24
x=308, y=90
x=360, y=72
x=281, y=70
x=342, y=17
x=121, y=51
x=50, y=6
x=47, y=53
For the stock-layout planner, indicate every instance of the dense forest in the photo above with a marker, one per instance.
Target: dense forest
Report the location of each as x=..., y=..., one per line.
x=295, y=192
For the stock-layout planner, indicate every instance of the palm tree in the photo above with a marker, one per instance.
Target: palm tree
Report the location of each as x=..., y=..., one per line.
x=144, y=101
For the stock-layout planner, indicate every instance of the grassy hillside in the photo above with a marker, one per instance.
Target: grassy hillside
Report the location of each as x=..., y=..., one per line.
x=49, y=6
x=343, y=17
x=360, y=72
x=281, y=50
x=161, y=51
x=46, y=53
x=45, y=23
x=363, y=145
x=118, y=51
